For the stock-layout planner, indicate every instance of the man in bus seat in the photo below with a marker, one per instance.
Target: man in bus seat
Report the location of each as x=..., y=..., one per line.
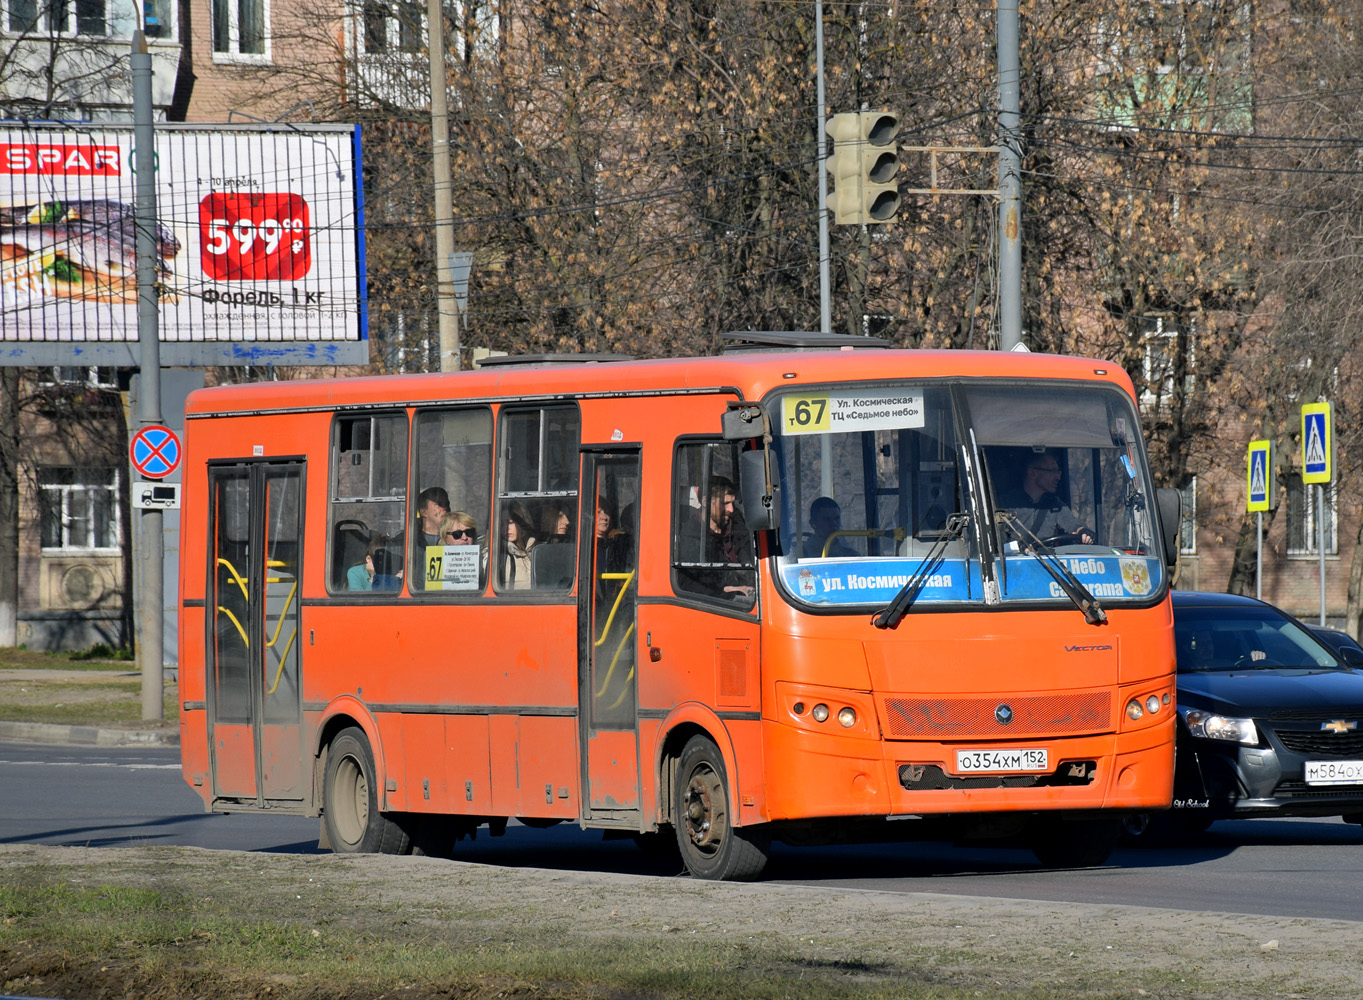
x=716, y=535
x=1035, y=503
x=825, y=518
x=433, y=505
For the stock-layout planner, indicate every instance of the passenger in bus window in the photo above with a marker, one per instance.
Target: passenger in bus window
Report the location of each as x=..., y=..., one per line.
x=459, y=527
x=716, y=538
x=387, y=561
x=432, y=505
x=612, y=553
x=519, y=537
x=825, y=518
x=1036, y=504
x=361, y=575
x=558, y=524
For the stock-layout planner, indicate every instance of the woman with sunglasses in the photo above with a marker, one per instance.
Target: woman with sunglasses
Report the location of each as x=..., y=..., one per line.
x=459, y=528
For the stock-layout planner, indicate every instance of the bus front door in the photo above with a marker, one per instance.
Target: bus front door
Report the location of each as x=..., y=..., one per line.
x=608, y=639
x=254, y=650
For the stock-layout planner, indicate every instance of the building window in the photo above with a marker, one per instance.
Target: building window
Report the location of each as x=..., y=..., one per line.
x=239, y=27
x=78, y=509
x=392, y=27
x=1161, y=359
x=90, y=18
x=1187, y=526
x=94, y=378
x=1303, y=533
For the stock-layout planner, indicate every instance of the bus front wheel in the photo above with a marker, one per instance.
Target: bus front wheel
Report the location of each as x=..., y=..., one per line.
x=711, y=845
x=350, y=804
x=1075, y=843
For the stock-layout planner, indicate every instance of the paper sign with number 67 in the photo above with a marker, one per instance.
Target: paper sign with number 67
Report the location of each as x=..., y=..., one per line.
x=254, y=237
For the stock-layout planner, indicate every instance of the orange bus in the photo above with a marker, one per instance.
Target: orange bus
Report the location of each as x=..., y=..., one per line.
x=811, y=590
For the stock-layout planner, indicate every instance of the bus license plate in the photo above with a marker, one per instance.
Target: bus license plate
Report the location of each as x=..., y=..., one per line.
x=1334, y=772
x=968, y=761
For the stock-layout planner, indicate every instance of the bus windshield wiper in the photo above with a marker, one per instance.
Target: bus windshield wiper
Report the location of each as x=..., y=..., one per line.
x=1072, y=586
x=894, y=612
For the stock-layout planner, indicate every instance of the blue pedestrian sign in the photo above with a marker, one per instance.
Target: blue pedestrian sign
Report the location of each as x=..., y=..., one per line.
x=1260, y=478
x=155, y=451
x=1317, y=443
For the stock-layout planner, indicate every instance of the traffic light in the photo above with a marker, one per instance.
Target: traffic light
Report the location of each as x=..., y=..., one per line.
x=864, y=165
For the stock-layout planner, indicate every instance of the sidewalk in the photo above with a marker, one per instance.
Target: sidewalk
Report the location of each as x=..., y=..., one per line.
x=44, y=691
x=94, y=736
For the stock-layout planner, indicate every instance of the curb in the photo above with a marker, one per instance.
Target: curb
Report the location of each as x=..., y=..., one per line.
x=90, y=736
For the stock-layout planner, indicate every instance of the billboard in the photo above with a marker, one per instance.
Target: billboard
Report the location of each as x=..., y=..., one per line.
x=259, y=245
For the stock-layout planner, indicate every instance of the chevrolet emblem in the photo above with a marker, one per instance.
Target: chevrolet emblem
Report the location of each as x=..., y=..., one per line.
x=1339, y=726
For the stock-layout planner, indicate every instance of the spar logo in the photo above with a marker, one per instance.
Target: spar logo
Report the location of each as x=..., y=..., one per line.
x=63, y=161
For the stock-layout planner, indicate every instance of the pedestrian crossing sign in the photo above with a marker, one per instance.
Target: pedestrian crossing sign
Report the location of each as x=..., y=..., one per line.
x=1317, y=444
x=1260, y=484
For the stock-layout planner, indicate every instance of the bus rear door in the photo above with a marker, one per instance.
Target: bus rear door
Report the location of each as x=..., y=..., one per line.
x=254, y=648
x=608, y=640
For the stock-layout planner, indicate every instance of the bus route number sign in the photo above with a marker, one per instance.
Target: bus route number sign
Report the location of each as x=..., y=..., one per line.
x=806, y=414
x=876, y=408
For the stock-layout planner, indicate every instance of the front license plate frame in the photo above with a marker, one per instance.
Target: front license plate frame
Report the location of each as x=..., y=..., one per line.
x=1008, y=760
x=1333, y=772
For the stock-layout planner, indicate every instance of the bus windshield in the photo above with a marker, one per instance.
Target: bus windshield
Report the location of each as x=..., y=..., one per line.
x=979, y=492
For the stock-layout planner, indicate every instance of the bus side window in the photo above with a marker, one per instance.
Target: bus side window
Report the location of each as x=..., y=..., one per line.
x=712, y=549
x=368, y=495
x=537, y=473
x=454, y=452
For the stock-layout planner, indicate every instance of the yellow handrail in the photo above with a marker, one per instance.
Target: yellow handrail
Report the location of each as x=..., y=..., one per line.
x=240, y=631
x=899, y=534
x=283, y=658
x=620, y=596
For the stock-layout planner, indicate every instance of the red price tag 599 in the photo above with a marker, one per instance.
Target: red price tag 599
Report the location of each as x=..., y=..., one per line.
x=254, y=237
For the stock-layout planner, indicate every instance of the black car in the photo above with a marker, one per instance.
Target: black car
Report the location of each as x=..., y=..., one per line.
x=1346, y=647
x=1270, y=719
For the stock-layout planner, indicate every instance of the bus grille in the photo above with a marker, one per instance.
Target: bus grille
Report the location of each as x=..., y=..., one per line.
x=931, y=778
x=973, y=718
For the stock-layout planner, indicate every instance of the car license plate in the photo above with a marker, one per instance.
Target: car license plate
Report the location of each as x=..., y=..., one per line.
x=974, y=761
x=1334, y=772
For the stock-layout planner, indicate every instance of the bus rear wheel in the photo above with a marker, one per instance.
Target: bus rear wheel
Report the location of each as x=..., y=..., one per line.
x=350, y=804
x=712, y=847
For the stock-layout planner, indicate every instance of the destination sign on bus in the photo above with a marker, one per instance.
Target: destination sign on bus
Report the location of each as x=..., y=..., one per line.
x=452, y=567
x=844, y=411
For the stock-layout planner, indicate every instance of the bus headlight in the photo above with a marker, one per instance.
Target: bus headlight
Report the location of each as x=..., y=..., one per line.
x=820, y=712
x=1134, y=710
x=847, y=717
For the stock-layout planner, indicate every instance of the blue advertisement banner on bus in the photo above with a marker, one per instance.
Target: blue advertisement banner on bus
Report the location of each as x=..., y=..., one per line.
x=1023, y=578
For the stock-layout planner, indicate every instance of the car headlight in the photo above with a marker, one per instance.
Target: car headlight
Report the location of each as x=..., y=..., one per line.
x=1211, y=726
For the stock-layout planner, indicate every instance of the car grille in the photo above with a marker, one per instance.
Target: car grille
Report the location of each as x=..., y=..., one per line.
x=1322, y=743
x=1314, y=714
x=967, y=718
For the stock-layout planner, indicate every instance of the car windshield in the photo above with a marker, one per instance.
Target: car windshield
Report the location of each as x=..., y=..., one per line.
x=926, y=485
x=1244, y=638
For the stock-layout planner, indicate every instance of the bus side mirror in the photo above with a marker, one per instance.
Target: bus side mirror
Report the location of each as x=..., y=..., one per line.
x=761, y=495
x=1170, y=516
x=742, y=422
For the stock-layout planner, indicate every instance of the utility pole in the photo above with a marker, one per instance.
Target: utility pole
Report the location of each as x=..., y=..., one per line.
x=152, y=612
x=444, y=189
x=1010, y=179
x=825, y=293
